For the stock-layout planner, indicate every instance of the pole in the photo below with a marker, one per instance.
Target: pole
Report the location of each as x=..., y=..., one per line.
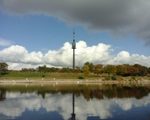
x=74, y=47
x=73, y=96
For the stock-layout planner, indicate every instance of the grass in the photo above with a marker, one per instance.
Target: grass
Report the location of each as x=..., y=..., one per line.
x=17, y=75
x=40, y=75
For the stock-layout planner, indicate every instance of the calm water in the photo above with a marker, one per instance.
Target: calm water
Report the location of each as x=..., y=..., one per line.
x=91, y=103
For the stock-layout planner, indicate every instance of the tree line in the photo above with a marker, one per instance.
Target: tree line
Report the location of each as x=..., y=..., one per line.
x=89, y=68
x=122, y=70
x=3, y=68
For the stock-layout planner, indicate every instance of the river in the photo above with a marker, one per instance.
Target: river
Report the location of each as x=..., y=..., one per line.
x=97, y=102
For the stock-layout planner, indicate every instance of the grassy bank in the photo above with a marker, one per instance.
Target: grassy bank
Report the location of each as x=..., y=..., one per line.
x=17, y=75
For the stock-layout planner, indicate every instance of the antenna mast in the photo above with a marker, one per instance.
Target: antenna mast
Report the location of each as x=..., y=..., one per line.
x=74, y=47
x=73, y=96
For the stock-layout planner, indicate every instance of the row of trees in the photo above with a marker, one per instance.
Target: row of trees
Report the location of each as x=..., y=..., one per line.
x=98, y=69
x=123, y=70
x=90, y=68
x=52, y=69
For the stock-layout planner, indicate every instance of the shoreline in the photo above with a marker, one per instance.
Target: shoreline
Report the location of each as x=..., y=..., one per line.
x=74, y=82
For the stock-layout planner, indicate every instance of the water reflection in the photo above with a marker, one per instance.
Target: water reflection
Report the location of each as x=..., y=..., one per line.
x=52, y=105
x=73, y=115
x=2, y=94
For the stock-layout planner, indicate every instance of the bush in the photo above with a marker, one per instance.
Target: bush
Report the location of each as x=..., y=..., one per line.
x=113, y=77
x=43, y=76
x=81, y=77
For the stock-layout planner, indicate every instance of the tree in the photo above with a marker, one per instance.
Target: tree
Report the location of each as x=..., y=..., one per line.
x=110, y=69
x=98, y=69
x=3, y=68
x=120, y=69
x=28, y=70
x=42, y=68
x=90, y=65
x=141, y=70
x=86, y=70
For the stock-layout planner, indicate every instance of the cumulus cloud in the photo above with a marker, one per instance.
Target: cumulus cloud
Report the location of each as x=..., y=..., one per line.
x=19, y=54
x=19, y=57
x=114, y=16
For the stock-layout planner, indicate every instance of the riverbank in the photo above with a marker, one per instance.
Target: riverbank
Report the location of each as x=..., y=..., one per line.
x=73, y=82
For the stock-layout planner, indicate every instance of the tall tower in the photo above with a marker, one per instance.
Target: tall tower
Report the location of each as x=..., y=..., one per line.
x=74, y=47
x=73, y=115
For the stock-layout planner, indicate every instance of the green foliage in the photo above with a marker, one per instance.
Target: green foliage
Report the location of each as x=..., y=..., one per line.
x=61, y=70
x=86, y=70
x=98, y=69
x=3, y=68
x=43, y=76
x=132, y=70
x=113, y=77
x=81, y=77
x=90, y=65
x=40, y=75
x=110, y=69
x=89, y=70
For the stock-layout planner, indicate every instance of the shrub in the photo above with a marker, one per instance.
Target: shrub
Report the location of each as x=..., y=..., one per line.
x=113, y=77
x=81, y=77
x=43, y=76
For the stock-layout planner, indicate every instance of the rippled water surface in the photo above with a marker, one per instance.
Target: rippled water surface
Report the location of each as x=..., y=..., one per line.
x=90, y=102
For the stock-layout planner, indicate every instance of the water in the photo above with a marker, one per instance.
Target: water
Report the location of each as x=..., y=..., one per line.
x=91, y=102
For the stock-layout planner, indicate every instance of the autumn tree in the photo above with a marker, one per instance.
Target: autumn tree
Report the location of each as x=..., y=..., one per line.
x=86, y=70
x=98, y=69
x=90, y=65
x=141, y=70
x=110, y=69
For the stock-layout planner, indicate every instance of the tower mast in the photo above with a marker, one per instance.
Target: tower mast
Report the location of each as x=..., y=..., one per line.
x=74, y=47
x=73, y=96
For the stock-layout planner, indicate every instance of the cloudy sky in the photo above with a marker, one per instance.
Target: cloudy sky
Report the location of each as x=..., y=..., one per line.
x=115, y=108
x=35, y=32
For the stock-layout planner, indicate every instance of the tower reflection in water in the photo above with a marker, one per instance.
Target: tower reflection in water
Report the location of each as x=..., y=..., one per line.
x=73, y=115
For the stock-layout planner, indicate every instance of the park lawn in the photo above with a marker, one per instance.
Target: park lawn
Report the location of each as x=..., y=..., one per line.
x=17, y=75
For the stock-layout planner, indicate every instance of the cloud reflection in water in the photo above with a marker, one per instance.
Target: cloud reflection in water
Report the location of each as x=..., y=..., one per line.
x=16, y=104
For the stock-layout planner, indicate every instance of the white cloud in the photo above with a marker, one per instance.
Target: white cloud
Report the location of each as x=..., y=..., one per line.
x=19, y=54
x=19, y=57
x=17, y=103
x=125, y=57
x=4, y=42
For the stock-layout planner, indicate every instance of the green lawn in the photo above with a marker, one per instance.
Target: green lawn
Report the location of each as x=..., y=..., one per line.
x=40, y=75
x=17, y=75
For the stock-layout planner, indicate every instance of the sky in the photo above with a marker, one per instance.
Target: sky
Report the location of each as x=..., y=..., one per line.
x=35, y=32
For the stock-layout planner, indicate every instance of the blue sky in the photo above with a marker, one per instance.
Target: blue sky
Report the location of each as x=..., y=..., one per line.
x=40, y=32
x=36, y=26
